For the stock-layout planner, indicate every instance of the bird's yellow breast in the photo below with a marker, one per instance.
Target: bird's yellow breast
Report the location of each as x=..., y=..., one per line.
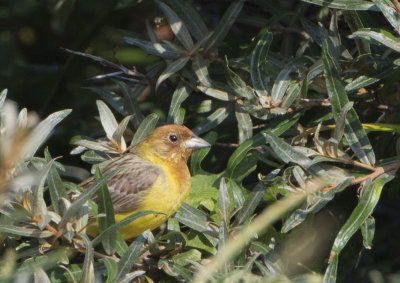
x=165, y=196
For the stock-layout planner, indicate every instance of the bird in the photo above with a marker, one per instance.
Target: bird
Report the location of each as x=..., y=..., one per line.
x=152, y=176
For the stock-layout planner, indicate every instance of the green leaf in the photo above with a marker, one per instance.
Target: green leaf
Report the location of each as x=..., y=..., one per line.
x=85, y=196
x=128, y=259
x=344, y=4
x=250, y=204
x=354, y=21
x=222, y=240
x=92, y=145
x=213, y=120
x=240, y=153
x=341, y=121
x=224, y=25
x=113, y=99
x=119, y=132
x=367, y=80
x=24, y=231
x=41, y=132
x=194, y=218
x=368, y=232
x=129, y=277
x=258, y=57
x=39, y=205
x=107, y=118
x=389, y=11
x=87, y=267
x=121, y=246
x=56, y=186
x=171, y=69
x=200, y=67
x=365, y=207
x=354, y=132
x=216, y=93
x=238, y=85
x=40, y=276
x=331, y=272
x=3, y=95
x=105, y=206
x=245, y=124
x=286, y=152
x=379, y=35
x=145, y=128
x=131, y=102
x=280, y=86
x=192, y=19
x=321, y=199
x=177, y=26
x=197, y=157
x=223, y=201
x=204, y=191
x=180, y=94
x=163, y=50
x=112, y=269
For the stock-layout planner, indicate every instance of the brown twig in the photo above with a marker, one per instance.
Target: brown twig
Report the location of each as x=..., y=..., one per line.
x=377, y=172
x=397, y=6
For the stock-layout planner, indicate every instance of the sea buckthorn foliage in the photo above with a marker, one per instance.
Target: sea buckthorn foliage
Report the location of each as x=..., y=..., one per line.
x=299, y=101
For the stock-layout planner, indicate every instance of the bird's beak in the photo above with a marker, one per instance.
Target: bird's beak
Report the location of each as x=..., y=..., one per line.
x=195, y=142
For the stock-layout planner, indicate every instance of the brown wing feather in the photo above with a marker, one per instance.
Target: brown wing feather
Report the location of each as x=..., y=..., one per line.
x=130, y=183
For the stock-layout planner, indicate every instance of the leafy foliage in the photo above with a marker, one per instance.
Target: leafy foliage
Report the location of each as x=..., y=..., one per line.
x=285, y=112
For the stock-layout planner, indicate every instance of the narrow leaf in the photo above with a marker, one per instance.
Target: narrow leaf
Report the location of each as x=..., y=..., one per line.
x=193, y=218
x=223, y=201
x=130, y=98
x=250, y=204
x=105, y=206
x=216, y=118
x=368, y=201
x=86, y=195
x=107, y=118
x=389, y=11
x=379, y=35
x=344, y=4
x=200, y=67
x=192, y=19
x=258, y=57
x=354, y=132
x=42, y=132
x=145, y=128
x=56, y=186
x=171, y=69
x=87, y=267
x=159, y=49
x=25, y=232
x=180, y=94
x=224, y=25
x=177, y=26
x=245, y=124
x=368, y=232
x=128, y=259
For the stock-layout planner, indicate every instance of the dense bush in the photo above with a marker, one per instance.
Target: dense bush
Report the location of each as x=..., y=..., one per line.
x=299, y=101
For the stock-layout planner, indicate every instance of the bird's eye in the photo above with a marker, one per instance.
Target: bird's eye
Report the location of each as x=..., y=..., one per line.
x=173, y=138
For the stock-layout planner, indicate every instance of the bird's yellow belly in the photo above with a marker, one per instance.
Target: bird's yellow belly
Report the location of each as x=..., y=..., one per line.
x=165, y=197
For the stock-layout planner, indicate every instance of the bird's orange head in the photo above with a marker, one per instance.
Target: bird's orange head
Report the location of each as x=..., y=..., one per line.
x=171, y=143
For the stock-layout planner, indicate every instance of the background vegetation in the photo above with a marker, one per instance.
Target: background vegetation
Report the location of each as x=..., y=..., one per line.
x=300, y=100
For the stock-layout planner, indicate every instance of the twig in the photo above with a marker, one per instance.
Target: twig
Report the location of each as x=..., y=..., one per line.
x=377, y=172
x=397, y=6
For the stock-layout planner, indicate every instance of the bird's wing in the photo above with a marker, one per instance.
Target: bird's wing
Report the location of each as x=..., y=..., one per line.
x=131, y=182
